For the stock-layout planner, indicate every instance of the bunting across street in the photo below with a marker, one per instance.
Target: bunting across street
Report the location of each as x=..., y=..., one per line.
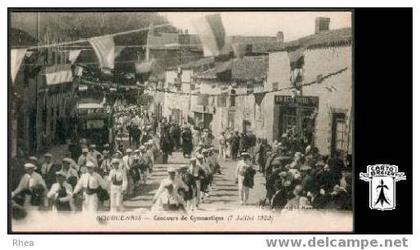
x=16, y=58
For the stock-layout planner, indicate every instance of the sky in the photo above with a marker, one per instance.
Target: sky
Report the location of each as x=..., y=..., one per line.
x=293, y=24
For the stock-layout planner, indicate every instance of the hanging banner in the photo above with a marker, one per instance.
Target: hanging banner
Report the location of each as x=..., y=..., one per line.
x=16, y=58
x=259, y=97
x=73, y=55
x=104, y=48
x=212, y=34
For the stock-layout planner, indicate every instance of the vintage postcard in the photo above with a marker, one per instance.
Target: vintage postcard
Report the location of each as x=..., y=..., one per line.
x=227, y=121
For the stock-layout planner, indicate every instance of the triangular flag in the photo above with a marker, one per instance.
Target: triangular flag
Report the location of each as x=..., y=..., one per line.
x=104, y=48
x=259, y=97
x=16, y=58
x=73, y=55
x=212, y=34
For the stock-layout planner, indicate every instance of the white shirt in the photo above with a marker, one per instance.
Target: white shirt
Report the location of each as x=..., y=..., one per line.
x=120, y=175
x=177, y=183
x=88, y=180
x=52, y=194
x=240, y=168
x=70, y=172
x=29, y=181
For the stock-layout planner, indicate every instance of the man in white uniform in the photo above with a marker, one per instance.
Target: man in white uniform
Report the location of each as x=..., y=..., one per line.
x=90, y=182
x=118, y=182
x=173, y=180
x=240, y=171
x=30, y=181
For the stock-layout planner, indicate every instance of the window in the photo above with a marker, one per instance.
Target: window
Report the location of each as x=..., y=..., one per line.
x=339, y=138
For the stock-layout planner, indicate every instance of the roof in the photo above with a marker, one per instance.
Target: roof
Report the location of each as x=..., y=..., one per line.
x=250, y=68
x=163, y=41
x=173, y=41
x=196, y=64
x=243, y=69
x=251, y=39
x=324, y=39
x=262, y=45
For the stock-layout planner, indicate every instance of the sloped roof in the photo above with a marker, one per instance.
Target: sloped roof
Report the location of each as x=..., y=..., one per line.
x=250, y=68
x=168, y=41
x=323, y=39
x=196, y=64
x=163, y=41
x=251, y=39
x=245, y=68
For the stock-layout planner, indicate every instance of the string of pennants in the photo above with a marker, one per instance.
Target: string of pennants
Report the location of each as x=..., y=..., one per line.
x=210, y=29
x=259, y=96
x=104, y=47
x=319, y=79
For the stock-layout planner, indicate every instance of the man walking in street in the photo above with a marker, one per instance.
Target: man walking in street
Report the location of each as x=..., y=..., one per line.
x=90, y=183
x=222, y=146
x=31, y=187
x=118, y=182
x=61, y=194
x=235, y=141
x=244, y=177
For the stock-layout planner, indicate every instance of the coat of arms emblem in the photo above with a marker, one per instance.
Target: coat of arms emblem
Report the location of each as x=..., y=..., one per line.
x=382, y=180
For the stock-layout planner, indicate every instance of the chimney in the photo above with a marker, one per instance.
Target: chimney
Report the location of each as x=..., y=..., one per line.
x=280, y=37
x=186, y=32
x=322, y=24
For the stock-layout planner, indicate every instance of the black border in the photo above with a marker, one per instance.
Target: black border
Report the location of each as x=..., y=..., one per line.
x=361, y=212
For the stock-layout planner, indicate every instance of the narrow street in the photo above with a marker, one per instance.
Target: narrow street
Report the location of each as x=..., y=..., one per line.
x=222, y=196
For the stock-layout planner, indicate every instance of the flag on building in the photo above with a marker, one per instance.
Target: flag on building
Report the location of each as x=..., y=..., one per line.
x=212, y=34
x=16, y=58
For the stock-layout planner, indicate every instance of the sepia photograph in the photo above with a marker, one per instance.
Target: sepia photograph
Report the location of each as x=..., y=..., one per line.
x=180, y=121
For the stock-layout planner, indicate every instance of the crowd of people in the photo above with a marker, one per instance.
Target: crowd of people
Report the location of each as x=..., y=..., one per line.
x=295, y=176
x=297, y=180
